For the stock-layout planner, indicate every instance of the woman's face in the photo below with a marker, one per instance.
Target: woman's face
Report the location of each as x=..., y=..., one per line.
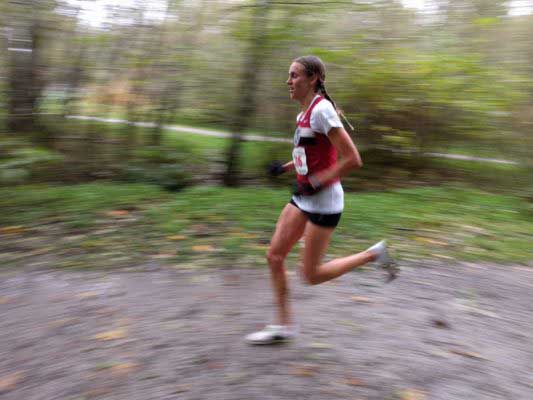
x=299, y=83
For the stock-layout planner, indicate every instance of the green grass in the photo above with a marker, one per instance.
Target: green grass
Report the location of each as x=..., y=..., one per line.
x=78, y=226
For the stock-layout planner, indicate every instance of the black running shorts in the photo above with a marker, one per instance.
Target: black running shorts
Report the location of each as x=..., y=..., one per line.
x=325, y=220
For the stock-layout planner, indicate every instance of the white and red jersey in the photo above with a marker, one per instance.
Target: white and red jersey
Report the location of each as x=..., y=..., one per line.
x=314, y=152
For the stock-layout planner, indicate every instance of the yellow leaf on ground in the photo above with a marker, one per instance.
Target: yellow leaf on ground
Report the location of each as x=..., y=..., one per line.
x=214, y=365
x=123, y=369
x=4, y=300
x=10, y=382
x=320, y=345
x=203, y=247
x=11, y=230
x=117, y=213
x=303, y=370
x=261, y=247
x=87, y=295
x=354, y=382
x=361, y=299
x=430, y=241
x=412, y=394
x=176, y=237
x=244, y=235
x=444, y=257
x=111, y=335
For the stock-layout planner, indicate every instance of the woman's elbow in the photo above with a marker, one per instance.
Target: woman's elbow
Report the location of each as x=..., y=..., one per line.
x=355, y=162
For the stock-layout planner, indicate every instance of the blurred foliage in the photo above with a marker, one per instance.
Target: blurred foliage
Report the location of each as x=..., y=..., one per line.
x=455, y=76
x=112, y=225
x=22, y=163
x=154, y=165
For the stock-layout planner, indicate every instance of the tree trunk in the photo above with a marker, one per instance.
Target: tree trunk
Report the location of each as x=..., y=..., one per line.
x=247, y=101
x=24, y=83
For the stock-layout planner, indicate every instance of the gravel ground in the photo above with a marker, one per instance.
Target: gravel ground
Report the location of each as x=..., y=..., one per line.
x=441, y=331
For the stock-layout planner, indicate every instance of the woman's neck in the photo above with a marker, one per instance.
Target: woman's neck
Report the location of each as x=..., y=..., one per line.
x=306, y=102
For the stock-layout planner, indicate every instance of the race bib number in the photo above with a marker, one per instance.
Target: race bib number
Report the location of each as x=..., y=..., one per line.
x=300, y=161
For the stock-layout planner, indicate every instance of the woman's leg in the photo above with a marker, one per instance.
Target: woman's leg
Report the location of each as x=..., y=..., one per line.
x=289, y=229
x=317, y=239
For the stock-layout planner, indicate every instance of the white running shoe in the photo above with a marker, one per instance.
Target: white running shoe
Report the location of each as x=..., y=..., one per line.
x=384, y=260
x=272, y=334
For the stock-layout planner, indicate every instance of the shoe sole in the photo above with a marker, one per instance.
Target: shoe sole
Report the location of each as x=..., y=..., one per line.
x=273, y=342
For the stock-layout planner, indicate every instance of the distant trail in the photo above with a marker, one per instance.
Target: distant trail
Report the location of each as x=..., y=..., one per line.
x=258, y=138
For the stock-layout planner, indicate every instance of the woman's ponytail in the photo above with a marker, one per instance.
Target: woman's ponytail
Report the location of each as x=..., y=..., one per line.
x=315, y=67
x=321, y=87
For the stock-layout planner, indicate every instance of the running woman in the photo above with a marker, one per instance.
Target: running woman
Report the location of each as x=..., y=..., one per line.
x=317, y=204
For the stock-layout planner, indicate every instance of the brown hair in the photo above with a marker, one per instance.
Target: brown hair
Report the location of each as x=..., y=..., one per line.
x=315, y=66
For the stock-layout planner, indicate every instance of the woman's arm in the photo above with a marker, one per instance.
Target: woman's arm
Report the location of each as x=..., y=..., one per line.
x=288, y=166
x=349, y=160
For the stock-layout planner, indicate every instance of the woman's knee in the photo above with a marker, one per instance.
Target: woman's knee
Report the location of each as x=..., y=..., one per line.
x=275, y=259
x=308, y=276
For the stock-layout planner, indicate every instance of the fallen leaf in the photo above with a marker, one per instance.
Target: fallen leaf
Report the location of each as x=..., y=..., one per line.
x=87, y=295
x=361, y=299
x=430, y=241
x=98, y=392
x=474, y=229
x=181, y=389
x=244, y=235
x=303, y=370
x=439, y=353
x=354, y=382
x=123, y=369
x=442, y=256
x=11, y=381
x=468, y=354
x=12, y=230
x=439, y=323
x=214, y=365
x=412, y=394
x=203, y=247
x=319, y=345
x=4, y=300
x=177, y=237
x=117, y=213
x=231, y=279
x=199, y=279
x=111, y=335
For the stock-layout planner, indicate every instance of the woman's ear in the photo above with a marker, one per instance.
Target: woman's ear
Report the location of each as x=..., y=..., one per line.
x=314, y=81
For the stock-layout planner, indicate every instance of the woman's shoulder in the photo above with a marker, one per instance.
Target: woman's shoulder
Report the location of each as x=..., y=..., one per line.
x=324, y=106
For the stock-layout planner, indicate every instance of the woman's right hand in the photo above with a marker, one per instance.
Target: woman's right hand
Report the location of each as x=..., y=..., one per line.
x=275, y=168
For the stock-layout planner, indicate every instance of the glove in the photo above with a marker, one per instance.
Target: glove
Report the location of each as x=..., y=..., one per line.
x=304, y=189
x=275, y=168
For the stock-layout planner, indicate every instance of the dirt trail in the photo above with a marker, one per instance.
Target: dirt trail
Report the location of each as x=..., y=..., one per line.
x=442, y=332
